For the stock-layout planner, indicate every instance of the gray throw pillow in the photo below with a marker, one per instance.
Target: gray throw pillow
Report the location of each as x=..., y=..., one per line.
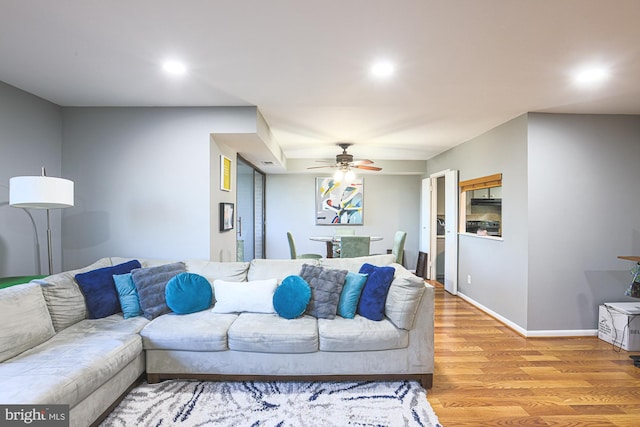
x=326, y=286
x=151, y=283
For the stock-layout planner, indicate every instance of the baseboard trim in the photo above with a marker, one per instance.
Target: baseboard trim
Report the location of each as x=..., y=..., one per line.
x=530, y=334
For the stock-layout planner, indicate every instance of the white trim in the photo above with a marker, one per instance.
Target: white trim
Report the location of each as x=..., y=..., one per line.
x=563, y=333
x=478, y=236
x=439, y=174
x=531, y=334
x=451, y=195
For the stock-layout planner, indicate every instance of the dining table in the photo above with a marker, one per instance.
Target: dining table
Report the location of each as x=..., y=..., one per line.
x=333, y=243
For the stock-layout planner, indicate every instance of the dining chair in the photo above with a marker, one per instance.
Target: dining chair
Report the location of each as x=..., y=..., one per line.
x=354, y=246
x=292, y=250
x=398, y=246
x=339, y=232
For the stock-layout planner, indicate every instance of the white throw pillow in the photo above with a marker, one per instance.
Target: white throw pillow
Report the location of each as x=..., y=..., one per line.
x=236, y=297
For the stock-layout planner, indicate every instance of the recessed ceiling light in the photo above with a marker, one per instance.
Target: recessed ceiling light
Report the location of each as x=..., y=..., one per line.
x=174, y=67
x=591, y=76
x=382, y=69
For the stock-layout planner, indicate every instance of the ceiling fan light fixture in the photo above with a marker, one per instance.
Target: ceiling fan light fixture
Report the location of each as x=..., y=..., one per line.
x=350, y=175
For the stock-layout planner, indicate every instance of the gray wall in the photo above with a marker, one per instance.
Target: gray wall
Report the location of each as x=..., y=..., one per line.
x=147, y=182
x=569, y=208
x=30, y=138
x=584, y=211
x=498, y=269
x=391, y=203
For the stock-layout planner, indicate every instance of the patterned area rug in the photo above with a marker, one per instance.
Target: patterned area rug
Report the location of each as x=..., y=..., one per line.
x=203, y=403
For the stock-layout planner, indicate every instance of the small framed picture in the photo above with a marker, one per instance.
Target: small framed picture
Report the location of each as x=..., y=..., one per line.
x=225, y=173
x=226, y=216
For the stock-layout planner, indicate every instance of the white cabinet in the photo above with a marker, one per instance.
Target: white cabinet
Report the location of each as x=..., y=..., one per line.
x=488, y=193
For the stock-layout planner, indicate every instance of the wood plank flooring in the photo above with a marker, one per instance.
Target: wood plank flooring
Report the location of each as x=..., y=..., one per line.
x=488, y=375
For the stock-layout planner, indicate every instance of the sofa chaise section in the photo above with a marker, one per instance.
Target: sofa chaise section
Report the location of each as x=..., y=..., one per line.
x=102, y=356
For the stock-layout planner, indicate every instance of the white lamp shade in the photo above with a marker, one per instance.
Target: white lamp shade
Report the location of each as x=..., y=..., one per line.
x=40, y=192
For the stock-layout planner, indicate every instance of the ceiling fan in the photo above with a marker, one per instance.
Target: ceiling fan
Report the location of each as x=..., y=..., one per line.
x=344, y=161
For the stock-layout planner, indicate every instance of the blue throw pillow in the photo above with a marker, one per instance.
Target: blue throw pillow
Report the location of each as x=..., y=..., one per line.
x=291, y=298
x=128, y=295
x=188, y=293
x=351, y=294
x=374, y=294
x=99, y=289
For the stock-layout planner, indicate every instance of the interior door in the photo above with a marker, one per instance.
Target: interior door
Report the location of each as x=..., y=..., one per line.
x=433, y=229
x=451, y=232
x=425, y=226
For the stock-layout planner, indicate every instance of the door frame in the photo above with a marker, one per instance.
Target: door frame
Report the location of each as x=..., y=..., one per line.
x=430, y=229
x=451, y=202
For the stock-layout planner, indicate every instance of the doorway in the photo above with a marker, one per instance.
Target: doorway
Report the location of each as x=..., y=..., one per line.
x=439, y=218
x=250, y=209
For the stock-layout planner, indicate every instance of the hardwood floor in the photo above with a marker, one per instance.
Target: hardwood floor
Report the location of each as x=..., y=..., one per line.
x=488, y=375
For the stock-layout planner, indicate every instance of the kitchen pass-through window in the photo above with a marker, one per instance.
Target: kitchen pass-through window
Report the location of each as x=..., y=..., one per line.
x=481, y=206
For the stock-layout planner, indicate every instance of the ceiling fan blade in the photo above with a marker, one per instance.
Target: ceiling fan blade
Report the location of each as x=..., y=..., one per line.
x=344, y=161
x=320, y=167
x=368, y=168
x=362, y=162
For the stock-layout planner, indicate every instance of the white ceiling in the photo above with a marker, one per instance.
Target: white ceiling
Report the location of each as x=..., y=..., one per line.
x=462, y=66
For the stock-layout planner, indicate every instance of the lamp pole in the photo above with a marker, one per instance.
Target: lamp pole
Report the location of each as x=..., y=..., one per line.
x=44, y=173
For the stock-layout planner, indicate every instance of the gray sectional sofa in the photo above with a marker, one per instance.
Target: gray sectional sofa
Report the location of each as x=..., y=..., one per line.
x=50, y=353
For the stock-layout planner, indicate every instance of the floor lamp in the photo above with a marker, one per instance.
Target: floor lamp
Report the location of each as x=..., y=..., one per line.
x=41, y=192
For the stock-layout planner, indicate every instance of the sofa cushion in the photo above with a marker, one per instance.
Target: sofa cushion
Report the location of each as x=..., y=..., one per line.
x=291, y=298
x=188, y=293
x=237, y=297
x=354, y=264
x=151, y=283
x=353, y=285
x=278, y=268
x=115, y=324
x=360, y=334
x=212, y=270
x=99, y=289
x=201, y=331
x=64, y=298
x=128, y=295
x=73, y=364
x=270, y=333
x=24, y=319
x=374, y=295
x=326, y=286
x=403, y=298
